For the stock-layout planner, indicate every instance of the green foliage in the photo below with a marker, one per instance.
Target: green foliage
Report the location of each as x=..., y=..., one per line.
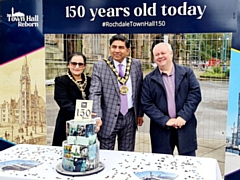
x=215, y=72
x=228, y=73
x=211, y=46
x=217, y=69
x=216, y=75
x=209, y=70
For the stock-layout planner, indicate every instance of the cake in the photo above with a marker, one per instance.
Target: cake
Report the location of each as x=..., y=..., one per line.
x=80, y=151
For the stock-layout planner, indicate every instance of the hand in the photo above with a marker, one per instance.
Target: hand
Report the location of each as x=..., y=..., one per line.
x=140, y=121
x=171, y=122
x=93, y=114
x=180, y=122
x=98, y=124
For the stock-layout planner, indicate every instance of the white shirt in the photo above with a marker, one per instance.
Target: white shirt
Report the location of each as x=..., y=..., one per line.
x=128, y=83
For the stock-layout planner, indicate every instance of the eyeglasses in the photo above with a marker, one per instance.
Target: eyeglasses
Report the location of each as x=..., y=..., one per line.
x=75, y=64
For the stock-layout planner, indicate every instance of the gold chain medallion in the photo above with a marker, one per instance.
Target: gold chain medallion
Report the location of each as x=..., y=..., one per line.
x=123, y=89
x=124, y=79
x=80, y=86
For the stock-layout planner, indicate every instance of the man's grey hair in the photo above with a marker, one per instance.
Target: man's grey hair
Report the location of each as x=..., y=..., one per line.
x=161, y=43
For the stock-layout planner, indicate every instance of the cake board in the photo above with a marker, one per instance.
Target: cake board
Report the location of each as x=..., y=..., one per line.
x=60, y=170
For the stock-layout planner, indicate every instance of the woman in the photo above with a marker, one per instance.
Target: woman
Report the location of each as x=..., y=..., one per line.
x=68, y=88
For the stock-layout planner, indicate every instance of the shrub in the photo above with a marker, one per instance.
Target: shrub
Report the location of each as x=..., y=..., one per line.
x=228, y=73
x=217, y=69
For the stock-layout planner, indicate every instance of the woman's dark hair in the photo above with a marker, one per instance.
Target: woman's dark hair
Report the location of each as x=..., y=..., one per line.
x=77, y=54
x=121, y=38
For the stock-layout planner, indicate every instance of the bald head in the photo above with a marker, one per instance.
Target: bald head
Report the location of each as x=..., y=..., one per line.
x=163, y=56
x=162, y=44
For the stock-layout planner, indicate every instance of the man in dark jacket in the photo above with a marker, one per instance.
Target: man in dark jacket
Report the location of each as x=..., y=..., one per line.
x=170, y=96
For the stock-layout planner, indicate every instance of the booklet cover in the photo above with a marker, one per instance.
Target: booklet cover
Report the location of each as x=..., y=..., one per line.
x=18, y=165
x=158, y=175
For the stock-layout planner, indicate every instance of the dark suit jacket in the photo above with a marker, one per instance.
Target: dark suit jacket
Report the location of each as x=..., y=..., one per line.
x=65, y=94
x=187, y=98
x=104, y=92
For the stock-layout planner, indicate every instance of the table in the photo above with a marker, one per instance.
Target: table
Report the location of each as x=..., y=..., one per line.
x=119, y=165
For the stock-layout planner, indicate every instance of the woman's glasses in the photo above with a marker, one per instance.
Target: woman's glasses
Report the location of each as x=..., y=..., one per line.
x=75, y=64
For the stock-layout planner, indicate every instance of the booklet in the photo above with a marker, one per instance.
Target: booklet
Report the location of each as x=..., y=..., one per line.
x=160, y=175
x=18, y=165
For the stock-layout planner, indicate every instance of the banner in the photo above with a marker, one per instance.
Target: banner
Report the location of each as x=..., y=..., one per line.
x=108, y=16
x=235, y=36
x=233, y=120
x=20, y=28
x=22, y=72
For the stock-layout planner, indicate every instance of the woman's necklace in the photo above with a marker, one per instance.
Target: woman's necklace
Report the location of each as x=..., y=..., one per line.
x=81, y=86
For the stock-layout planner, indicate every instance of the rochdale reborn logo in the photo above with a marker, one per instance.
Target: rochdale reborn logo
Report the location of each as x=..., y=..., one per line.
x=22, y=19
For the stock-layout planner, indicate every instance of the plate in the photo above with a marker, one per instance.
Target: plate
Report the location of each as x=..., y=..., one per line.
x=60, y=170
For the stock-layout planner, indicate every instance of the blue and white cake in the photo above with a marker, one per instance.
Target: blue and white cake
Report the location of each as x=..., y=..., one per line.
x=81, y=149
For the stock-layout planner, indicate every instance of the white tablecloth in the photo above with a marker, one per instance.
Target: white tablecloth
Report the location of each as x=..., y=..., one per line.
x=118, y=165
